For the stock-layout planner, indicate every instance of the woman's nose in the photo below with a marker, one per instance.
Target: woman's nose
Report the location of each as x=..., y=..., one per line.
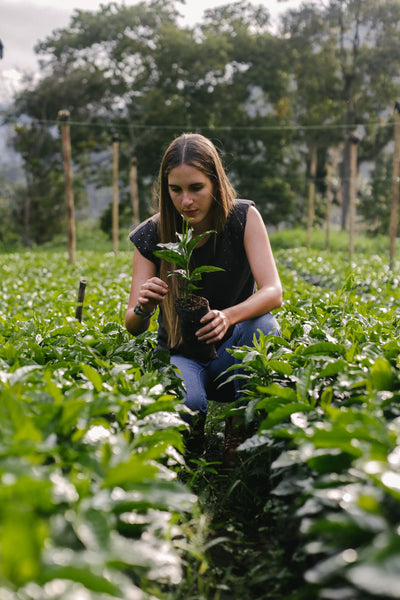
x=186, y=198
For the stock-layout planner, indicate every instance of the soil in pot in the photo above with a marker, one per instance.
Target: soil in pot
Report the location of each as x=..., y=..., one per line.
x=190, y=310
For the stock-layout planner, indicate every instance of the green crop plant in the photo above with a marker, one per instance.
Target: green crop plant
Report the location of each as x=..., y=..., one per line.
x=180, y=253
x=96, y=499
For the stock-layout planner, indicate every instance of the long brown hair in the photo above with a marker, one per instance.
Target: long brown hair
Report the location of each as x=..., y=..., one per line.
x=197, y=151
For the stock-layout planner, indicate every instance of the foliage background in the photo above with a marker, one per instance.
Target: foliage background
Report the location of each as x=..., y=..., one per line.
x=98, y=497
x=267, y=97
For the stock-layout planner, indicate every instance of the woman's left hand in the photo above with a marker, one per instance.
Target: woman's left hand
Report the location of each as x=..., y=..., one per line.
x=216, y=324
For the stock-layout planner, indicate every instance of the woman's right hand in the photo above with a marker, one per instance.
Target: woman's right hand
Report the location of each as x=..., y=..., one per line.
x=147, y=290
x=152, y=293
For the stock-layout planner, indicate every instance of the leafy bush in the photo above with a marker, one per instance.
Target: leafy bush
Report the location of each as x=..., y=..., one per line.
x=90, y=440
x=96, y=498
x=325, y=396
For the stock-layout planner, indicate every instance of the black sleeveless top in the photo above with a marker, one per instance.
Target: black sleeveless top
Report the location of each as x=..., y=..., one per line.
x=226, y=250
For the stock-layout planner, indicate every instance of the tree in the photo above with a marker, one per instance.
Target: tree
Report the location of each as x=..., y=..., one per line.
x=91, y=72
x=149, y=79
x=315, y=100
x=39, y=210
x=251, y=107
x=359, y=40
x=270, y=102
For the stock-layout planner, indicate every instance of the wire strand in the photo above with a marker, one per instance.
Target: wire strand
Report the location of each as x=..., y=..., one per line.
x=113, y=125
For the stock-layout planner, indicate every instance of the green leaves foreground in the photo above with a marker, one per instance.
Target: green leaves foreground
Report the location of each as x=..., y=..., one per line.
x=91, y=436
x=90, y=442
x=325, y=398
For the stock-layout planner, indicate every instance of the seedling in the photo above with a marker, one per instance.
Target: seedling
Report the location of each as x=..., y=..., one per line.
x=179, y=253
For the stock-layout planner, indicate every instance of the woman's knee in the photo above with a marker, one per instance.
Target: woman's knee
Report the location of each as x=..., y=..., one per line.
x=196, y=399
x=192, y=375
x=266, y=324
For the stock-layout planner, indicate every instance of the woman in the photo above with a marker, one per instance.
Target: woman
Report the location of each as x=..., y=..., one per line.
x=194, y=186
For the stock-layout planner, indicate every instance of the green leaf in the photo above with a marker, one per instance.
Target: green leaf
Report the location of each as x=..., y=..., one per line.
x=92, y=376
x=337, y=438
x=82, y=574
x=380, y=578
x=16, y=421
x=280, y=366
x=126, y=474
x=282, y=413
x=381, y=375
x=193, y=243
x=276, y=390
x=330, y=460
x=333, y=368
x=54, y=391
x=304, y=381
x=22, y=538
x=172, y=246
x=159, y=441
x=158, y=494
x=171, y=256
x=324, y=348
x=93, y=528
x=205, y=269
x=72, y=411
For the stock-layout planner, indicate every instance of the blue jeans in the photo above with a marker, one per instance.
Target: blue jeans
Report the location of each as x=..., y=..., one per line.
x=202, y=379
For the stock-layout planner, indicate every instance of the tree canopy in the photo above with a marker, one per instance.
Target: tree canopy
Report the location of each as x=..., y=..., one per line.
x=264, y=96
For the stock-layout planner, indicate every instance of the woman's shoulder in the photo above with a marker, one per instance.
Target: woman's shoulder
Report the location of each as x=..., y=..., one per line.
x=238, y=213
x=146, y=237
x=236, y=220
x=243, y=203
x=147, y=229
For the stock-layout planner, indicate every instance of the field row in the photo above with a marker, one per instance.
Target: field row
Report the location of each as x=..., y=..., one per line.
x=91, y=435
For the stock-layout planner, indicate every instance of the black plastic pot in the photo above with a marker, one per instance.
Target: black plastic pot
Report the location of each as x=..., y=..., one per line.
x=190, y=310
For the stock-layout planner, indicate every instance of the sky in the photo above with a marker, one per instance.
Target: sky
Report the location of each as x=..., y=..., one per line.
x=24, y=22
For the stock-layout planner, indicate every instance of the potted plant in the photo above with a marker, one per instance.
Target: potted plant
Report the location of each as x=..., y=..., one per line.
x=189, y=306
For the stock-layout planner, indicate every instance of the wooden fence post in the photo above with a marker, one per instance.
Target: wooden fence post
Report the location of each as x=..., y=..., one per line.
x=63, y=117
x=311, y=194
x=81, y=297
x=354, y=139
x=134, y=191
x=115, y=223
x=395, y=185
x=329, y=168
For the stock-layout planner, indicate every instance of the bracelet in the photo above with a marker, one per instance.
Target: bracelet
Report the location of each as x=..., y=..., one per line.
x=141, y=313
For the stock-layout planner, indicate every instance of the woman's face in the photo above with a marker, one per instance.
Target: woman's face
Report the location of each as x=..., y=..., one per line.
x=192, y=195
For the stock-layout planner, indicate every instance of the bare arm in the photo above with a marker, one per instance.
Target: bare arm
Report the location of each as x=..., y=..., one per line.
x=147, y=290
x=269, y=290
x=262, y=264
